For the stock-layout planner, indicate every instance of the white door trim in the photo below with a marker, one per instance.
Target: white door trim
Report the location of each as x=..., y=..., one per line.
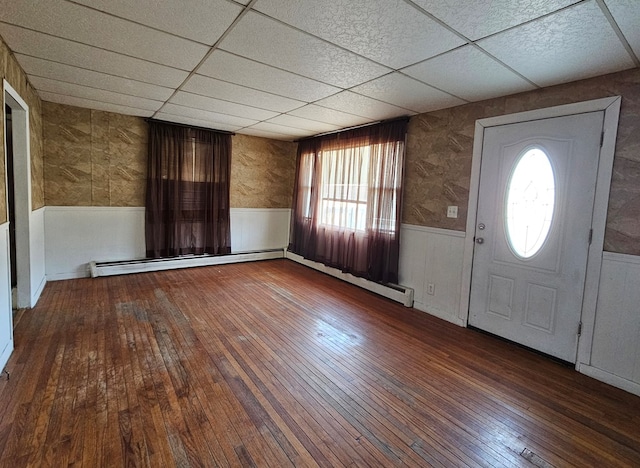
x=611, y=108
x=22, y=178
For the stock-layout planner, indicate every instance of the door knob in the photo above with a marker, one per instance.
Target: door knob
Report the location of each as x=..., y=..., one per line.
x=481, y=226
x=479, y=240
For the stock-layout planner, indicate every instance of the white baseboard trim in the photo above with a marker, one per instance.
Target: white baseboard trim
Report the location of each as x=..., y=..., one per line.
x=621, y=258
x=399, y=294
x=432, y=230
x=69, y=275
x=148, y=265
x=611, y=379
x=439, y=314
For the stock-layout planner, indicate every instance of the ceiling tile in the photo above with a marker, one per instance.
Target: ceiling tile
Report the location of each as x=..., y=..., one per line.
x=252, y=131
x=90, y=104
x=281, y=130
x=330, y=116
x=391, y=32
x=208, y=116
x=61, y=72
x=481, y=18
x=245, y=72
x=61, y=50
x=85, y=92
x=627, y=16
x=400, y=90
x=358, y=104
x=304, y=124
x=268, y=41
x=81, y=24
x=200, y=20
x=470, y=74
x=223, y=107
x=211, y=87
x=196, y=122
x=572, y=44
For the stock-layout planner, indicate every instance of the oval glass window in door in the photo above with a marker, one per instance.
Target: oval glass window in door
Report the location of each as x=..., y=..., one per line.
x=530, y=202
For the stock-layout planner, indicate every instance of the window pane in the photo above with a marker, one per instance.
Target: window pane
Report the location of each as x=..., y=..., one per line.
x=530, y=203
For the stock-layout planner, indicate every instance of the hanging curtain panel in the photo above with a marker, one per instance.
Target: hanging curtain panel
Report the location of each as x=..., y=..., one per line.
x=187, y=199
x=347, y=200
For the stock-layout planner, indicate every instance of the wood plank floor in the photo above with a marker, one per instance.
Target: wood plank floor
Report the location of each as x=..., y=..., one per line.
x=273, y=364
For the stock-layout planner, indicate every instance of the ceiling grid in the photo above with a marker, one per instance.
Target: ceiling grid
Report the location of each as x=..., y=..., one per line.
x=286, y=70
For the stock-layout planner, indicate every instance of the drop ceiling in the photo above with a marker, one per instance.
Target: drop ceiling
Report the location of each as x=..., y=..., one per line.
x=288, y=69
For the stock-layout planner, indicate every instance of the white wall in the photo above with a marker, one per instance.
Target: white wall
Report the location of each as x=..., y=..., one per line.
x=75, y=236
x=259, y=229
x=615, y=350
x=37, y=254
x=433, y=256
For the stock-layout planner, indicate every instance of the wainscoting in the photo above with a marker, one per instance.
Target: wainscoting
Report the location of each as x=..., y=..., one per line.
x=615, y=351
x=76, y=236
x=37, y=266
x=430, y=256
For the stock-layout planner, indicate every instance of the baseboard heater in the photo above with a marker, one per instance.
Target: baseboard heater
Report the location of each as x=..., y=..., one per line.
x=401, y=294
x=159, y=264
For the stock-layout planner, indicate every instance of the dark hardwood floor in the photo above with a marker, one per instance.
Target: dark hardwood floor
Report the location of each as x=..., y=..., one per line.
x=273, y=364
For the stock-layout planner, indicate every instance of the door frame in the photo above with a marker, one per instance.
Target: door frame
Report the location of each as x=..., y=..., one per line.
x=611, y=108
x=22, y=182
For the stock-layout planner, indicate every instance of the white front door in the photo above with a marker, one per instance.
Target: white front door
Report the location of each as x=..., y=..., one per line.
x=535, y=206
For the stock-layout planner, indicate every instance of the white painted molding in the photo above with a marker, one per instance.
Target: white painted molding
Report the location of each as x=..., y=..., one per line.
x=22, y=178
x=432, y=230
x=260, y=210
x=621, y=258
x=610, y=379
x=436, y=312
x=400, y=294
x=105, y=209
x=593, y=105
x=598, y=225
x=6, y=354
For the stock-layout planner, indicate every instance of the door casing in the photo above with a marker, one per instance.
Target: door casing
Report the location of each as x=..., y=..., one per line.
x=611, y=108
x=22, y=180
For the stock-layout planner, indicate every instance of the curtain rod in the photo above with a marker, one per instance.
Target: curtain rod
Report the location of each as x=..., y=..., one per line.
x=370, y=124
x=150, y=120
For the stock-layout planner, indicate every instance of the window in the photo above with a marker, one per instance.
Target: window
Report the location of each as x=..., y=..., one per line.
x=187, y=200
x=530, y=203
x=347, y=200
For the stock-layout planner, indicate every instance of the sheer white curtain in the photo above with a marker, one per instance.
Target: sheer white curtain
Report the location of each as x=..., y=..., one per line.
x=347, y=200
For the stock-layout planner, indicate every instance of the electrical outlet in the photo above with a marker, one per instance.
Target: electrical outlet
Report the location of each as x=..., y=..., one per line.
x=431, y=289
x=452, y=212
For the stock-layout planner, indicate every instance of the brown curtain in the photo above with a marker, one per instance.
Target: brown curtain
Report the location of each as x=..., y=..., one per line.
x=347, y=200
x=187, y=199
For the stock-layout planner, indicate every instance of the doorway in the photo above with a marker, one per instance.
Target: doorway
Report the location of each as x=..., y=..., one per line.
x=18, y=173
x=535, y=206
x=502, y=247
x=11, y=207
